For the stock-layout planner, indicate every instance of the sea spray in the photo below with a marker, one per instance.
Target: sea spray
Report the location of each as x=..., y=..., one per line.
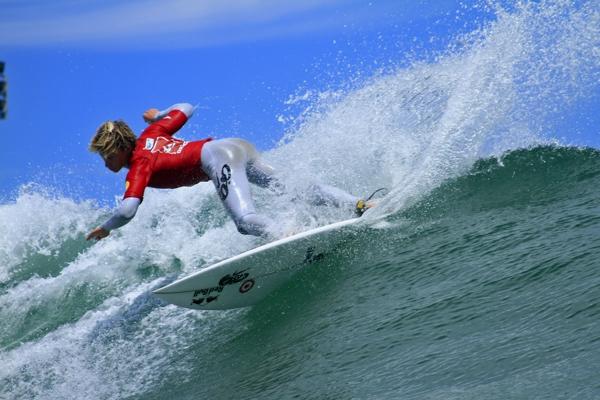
x=504, y=87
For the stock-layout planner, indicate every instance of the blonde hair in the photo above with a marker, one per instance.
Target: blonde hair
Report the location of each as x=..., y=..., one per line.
x=111, y=137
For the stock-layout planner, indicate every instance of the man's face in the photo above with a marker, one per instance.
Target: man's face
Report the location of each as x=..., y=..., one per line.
x=116, y=160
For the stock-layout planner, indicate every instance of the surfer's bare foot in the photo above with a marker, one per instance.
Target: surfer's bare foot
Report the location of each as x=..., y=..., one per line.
x=364, y=205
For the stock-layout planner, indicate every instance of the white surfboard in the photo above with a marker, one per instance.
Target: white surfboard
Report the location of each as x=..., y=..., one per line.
x=247, y=278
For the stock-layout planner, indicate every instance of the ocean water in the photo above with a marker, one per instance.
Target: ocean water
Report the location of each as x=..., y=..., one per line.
x=475, y=277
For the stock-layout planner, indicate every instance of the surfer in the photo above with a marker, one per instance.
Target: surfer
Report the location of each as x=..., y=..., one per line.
x=157, y=159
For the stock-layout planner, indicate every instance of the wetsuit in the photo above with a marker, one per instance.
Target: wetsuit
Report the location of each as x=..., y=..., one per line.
x=161, y=161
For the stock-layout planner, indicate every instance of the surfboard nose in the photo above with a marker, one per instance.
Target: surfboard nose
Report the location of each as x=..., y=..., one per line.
x=171, y=298
x=161, y=291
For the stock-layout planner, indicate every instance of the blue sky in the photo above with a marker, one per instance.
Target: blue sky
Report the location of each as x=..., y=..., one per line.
x=73, y=64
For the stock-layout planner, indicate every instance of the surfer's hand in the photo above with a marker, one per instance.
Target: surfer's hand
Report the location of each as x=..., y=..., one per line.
x=150, y=115
x=98, y=233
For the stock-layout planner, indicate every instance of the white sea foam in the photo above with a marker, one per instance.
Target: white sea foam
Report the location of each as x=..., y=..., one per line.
x=78, y=359
x=39, y=223
x=412, y=129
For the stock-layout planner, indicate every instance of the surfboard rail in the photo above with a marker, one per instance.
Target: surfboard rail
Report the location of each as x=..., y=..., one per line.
x=246, y=278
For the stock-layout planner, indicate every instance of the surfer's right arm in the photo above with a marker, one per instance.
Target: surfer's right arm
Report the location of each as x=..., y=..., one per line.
x=154, y=114
x=123, y=214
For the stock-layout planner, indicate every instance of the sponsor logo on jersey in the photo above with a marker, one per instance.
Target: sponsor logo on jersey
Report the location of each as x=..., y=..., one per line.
x=149, y=144
x=168, y=145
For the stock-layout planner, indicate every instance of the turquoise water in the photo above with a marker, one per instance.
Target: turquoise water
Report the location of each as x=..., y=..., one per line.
x=486, y=288
x=475, y=277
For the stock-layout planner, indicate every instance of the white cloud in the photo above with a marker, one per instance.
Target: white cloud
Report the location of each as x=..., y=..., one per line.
x=203, y=22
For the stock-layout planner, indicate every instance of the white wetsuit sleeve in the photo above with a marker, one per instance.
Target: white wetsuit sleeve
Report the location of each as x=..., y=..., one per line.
x=185, y=108
x=123, y=214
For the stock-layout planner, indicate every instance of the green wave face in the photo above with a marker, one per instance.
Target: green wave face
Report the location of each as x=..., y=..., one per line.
x=519, y=178
x=486, y=286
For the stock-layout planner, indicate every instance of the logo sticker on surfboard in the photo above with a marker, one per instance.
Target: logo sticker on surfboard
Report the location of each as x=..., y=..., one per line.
x=247, y=285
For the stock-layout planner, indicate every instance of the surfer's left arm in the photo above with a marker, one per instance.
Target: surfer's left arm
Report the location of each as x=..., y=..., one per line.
x=123, y=214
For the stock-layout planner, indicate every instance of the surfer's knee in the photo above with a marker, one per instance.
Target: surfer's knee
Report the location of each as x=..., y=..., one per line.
x=247, y=147
x=253, y=224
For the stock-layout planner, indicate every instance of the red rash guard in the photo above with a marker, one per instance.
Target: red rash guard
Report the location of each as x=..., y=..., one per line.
x=161, y=161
